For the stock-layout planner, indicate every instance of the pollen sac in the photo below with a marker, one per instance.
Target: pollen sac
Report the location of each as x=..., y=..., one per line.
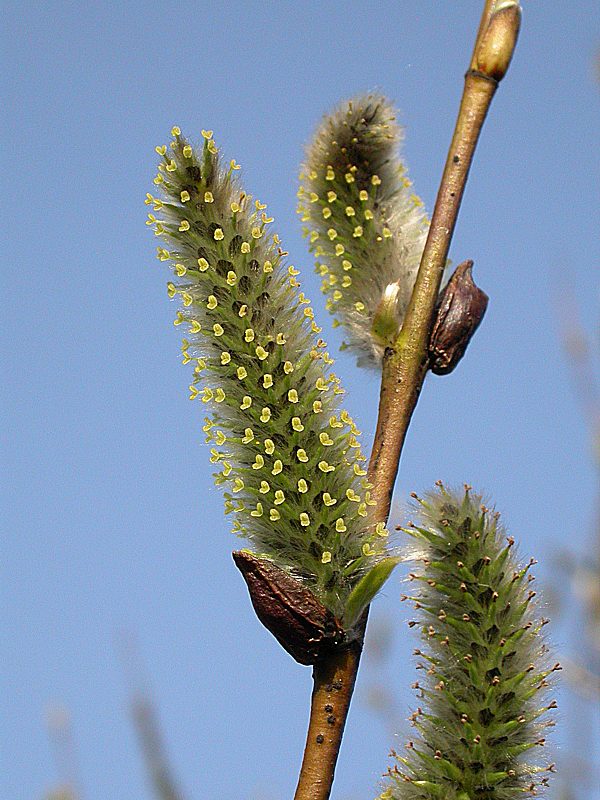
x=460, y=309
x=302, y=625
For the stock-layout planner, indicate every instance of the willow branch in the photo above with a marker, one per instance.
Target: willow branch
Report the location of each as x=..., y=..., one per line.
x=403, y=373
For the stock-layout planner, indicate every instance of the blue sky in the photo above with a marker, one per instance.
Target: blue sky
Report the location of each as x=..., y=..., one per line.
x=111, y=518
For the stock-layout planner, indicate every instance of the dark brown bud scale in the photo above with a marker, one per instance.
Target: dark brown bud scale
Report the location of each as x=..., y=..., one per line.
x=459, y=312
x=302, y=625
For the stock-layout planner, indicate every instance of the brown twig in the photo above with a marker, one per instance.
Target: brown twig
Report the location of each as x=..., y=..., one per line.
x=403, y=372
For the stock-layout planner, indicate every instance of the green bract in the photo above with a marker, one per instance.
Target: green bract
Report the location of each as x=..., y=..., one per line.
x=365, y=225
x=288, y=456
x=484, y=660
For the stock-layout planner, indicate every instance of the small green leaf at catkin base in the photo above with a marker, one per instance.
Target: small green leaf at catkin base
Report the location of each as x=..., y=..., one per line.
x=366, y=589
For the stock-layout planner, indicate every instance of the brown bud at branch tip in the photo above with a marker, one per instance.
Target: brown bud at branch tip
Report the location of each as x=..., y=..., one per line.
x=498, y=42
x=460, y=309
x=297, y=619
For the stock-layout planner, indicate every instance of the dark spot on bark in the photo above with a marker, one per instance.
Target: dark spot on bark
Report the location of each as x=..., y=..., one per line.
x=320, y=738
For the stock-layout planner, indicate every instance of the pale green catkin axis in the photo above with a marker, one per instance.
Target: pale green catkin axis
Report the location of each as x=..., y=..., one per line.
x=484, y=663
x=288, y=457
x=365, y=225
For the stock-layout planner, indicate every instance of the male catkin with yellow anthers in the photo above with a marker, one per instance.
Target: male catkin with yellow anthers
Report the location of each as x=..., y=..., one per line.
x=483, y=704
x=289, y=457
x=365, y=225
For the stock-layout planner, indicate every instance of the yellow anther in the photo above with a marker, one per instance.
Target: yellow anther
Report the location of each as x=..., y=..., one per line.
x=297, y=424
x=326, y=557
x=328, y=500
x=358, y=471
x=231, y=278
x=346, y=265
x=212, y=302
x=381, y=530
x=219, y=395
x=321, y=384
x=351, y=495
x=261, y=353
x=246, y=402
x=277, y=467
x=207, y=394
x=293, y=396
x=203, y=264
x=267, y=381
x=243, y=310
x=368, y=550
x=330, y=174
x=335, y=423
x=274, y=515
x=171, y=166
x=340, y=525
x=233, y=165
x=248, y=436
x=375, y=180
x=339, y=249
x=325, y=439
x=349, y=177
x=249, y=335
x=180, y=270
x=218, y=329
x=331, y=197
x=387, y=234
x=325, y=467
x=308, y=312
x=358, y=231
x=225, y=358
x=235, y=207
x=187, y=151
x=360, y=307
x=326, y=212
x=265, y=219
x=279, y=497
x=258, y=511
x=238, y=485
x=293, y=271
x=337, y=295
x=269, y=447
x=350, y=212
x=161, y=149
x=175, y=130
x=368, y=214
x=304, y=519
x=313, y=197
x=159, y=179
x=259, y=462
x=195, y=326
x=256, y=232
x=317, y=407
x=245, y=248
x=265, y=414
x=220, y=438
x=267, y=267
x=207, y=134
x=259, y=205
x=171, y=290
x=218, y=235
x=363, y=195
x=302, y=486
x=193, y=392
x=288, y=367
x=208, y=197
x=301, y=455
x=332, y=233
x=242, y=373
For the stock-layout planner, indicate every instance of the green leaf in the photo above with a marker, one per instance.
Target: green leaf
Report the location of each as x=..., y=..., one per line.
x=366, y=589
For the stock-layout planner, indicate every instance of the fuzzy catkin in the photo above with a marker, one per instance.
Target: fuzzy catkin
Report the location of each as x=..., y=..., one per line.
x=482, y=698
x=365, y=225
x=288, y=456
